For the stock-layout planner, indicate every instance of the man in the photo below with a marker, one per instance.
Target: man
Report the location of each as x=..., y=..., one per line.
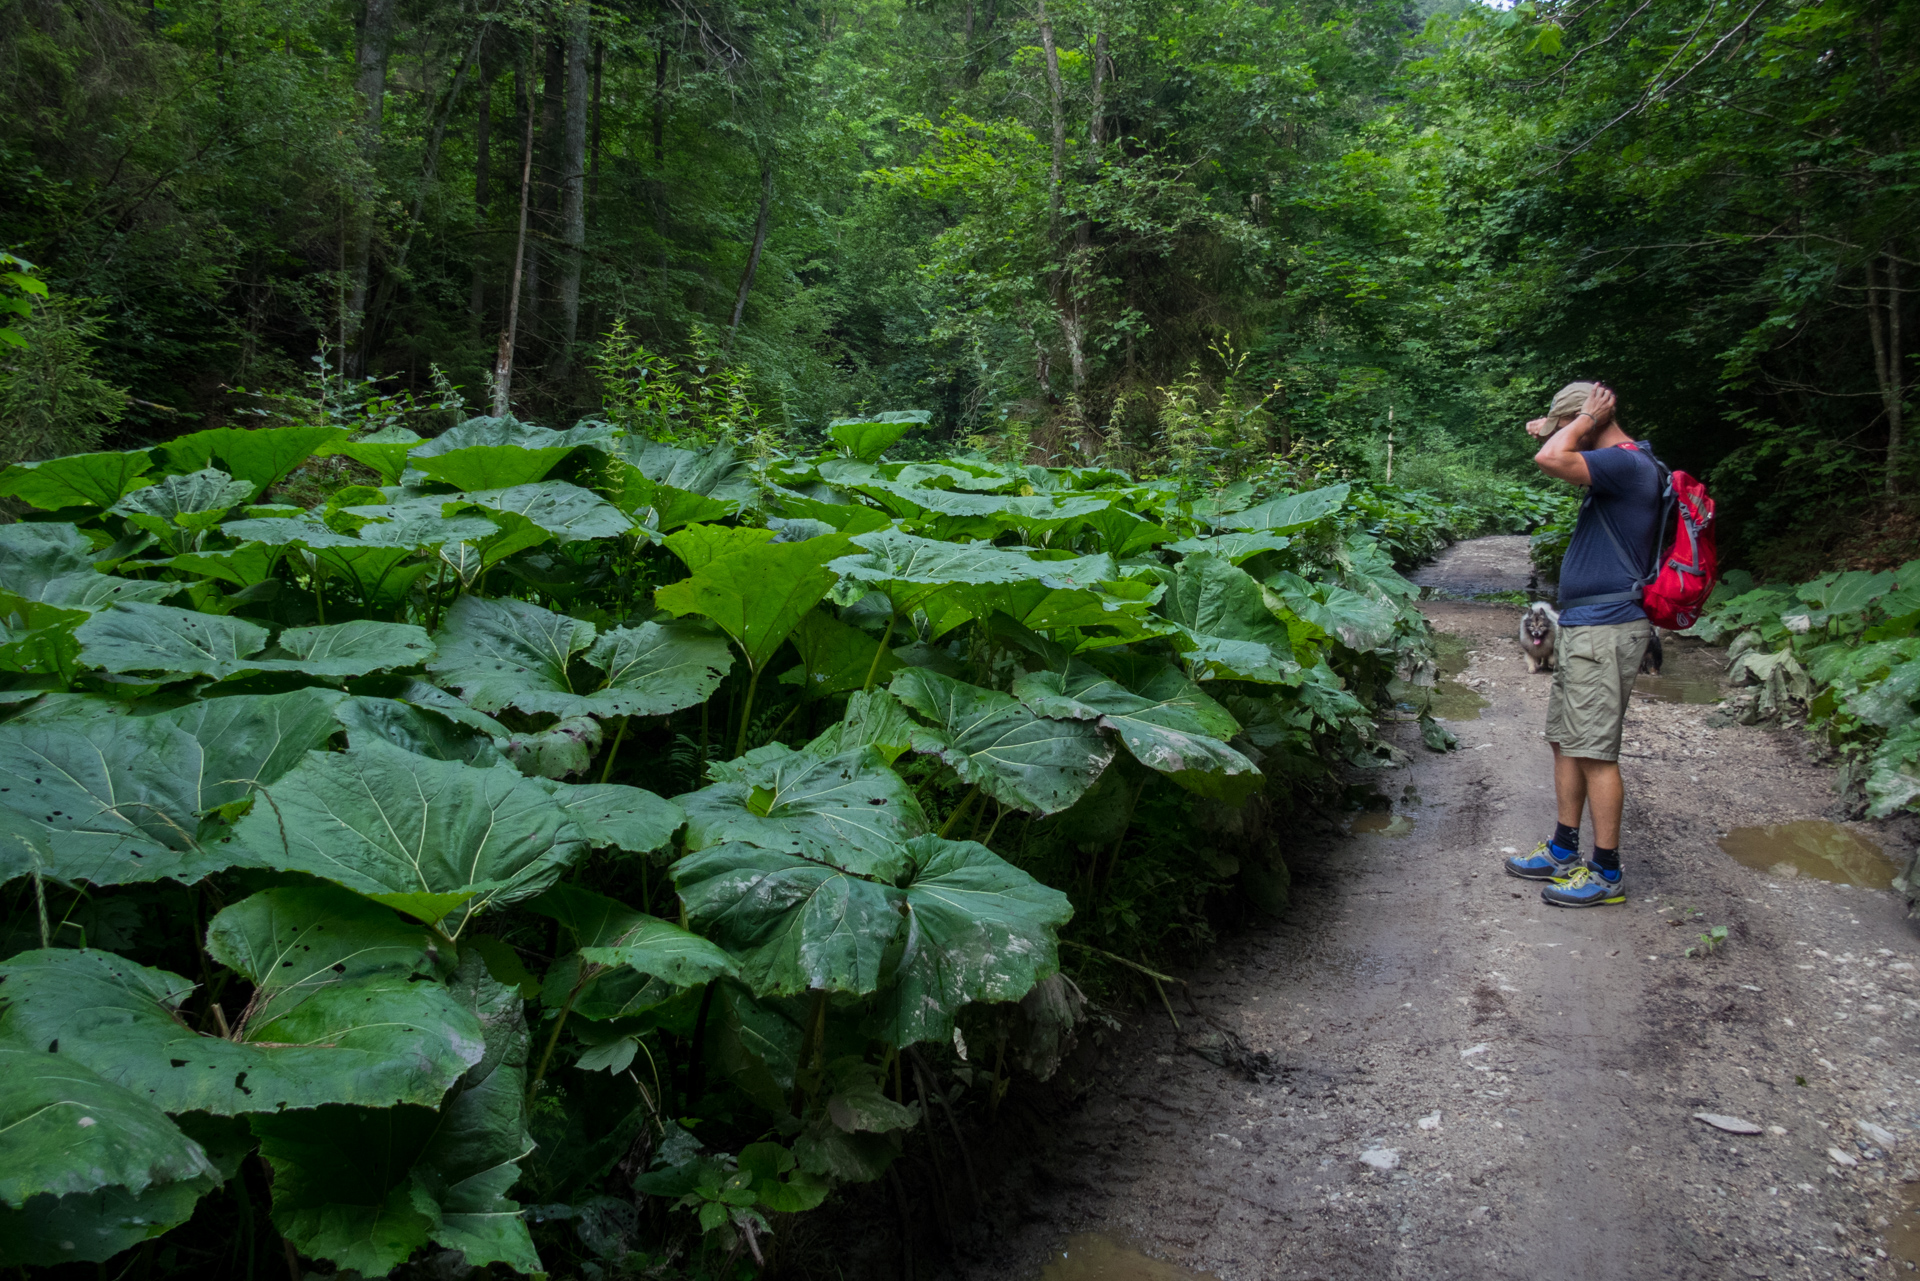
x=1601, y=640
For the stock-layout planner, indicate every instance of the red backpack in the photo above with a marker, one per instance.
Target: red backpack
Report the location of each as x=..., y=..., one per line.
x=1686, y=565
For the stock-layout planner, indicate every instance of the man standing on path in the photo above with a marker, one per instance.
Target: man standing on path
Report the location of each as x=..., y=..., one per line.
x=1603, y=636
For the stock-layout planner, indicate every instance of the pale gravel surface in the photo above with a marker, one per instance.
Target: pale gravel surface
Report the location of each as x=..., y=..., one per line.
x=1564, y=1052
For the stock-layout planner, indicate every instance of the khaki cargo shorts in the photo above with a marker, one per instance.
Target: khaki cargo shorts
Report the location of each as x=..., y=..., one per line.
x=1593, y=673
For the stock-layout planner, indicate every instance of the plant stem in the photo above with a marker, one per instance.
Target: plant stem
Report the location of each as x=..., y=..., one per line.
x=1132, y=965
x=886, y=639
x=966, y=802
x=809, y=1048
x=746, y=714
x=546, y=1055
x=607, y=769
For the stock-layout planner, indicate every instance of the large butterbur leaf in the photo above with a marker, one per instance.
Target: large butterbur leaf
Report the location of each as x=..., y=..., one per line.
x=110, y=799
x=628, y=962
x=140, y=637
x=566, y=512
x=1290, y=512
x=868, y=438
x=348, y=649
x=758, y=595
x=835, y=658
x=381, y=820
x=261, y=456
x=911, y=569
x=183, y=505
x=87, y=1168
x=365, y=1188
x=615, y=816
x=508, y=653
x=77, y=480
x=849, y=807
x=1361, y=622
x=1160, y=717
x=977, y=928
x=53, y=564
x=479, y=467
x=1020, y=758
x=385, y=451
x=1227, y=624
x=377, y=1038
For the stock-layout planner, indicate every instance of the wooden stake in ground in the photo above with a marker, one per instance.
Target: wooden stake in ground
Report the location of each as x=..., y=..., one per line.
x=503, y=361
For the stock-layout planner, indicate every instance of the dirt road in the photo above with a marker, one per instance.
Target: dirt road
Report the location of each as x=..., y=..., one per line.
x=1524, y=1078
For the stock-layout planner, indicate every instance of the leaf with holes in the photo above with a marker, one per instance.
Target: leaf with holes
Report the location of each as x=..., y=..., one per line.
x=507, y=653
x=849, y=807
x=1022, y=759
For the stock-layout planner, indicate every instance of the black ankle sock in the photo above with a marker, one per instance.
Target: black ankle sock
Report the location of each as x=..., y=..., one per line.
x=1567, y=838
x=1606, y=860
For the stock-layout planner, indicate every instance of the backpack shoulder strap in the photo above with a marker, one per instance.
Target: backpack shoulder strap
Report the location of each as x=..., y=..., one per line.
x=1620, y=549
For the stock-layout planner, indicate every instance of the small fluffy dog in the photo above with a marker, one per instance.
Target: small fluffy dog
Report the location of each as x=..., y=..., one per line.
x=1539, y=634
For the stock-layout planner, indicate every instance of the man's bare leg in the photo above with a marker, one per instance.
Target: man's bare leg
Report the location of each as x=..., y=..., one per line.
x=1569, y=786
x=1606, y=796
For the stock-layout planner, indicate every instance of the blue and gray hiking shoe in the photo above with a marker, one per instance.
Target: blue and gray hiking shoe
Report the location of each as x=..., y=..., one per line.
x=1548, y=862
x=1587, y=886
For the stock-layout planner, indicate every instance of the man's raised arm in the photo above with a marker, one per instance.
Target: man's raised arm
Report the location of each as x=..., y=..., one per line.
x=1560, y=456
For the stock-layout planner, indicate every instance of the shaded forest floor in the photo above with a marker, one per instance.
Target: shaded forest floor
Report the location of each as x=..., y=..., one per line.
x=1533, y=1072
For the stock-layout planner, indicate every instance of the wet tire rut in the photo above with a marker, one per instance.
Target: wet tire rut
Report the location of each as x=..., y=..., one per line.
x=1522, y=1080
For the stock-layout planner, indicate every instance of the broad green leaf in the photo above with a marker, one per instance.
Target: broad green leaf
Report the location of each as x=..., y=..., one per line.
x=243, y=566
x=507, y=653
x=1291, y=512
x=284, y=531
x=93, y=1227
x=795, y=924
x=849, y=807
x=511, y=431
x=612, y=934
x=65, y=1130
x=379, y=1040
x=1233, y=547
x=612, y=815
x=33, y=554
x=364, y=1188
x=757, y=596
x=1159, y=715
x=868, y=438
x=662, y=506
x=912, y=569
x=874, y=718
x=140, y=637
x=114, y=799
x=379, y=819
x=977, y=929
x=992, y=740
x=701, y=545
x=569, y=513
x=847, y=517
x=1226, y=622
x=348, y=649
x=561, y=750
x=479, y=467
x=422, y=531
x=262, y=456
x=77, y=480
x=195, y=500
x=385, y=451
x=717, y=472
x=1360, y=622
x=379, y=576
x=423, y=906
x=656, y=668
x=423, y=729
x=835, y=658
x=93, y=591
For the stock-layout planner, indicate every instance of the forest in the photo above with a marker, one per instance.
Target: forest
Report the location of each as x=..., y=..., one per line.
x=616, y=615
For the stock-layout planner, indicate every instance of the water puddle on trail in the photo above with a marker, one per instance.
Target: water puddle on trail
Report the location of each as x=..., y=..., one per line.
x=1095, y=1256
x=1811, y=848
x=1903, y=1238
x=1690, y=674
x=1381, y=825
x=1449, y=699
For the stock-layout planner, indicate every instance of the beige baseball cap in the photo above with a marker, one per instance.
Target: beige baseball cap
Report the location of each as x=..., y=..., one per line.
x=1570, y=400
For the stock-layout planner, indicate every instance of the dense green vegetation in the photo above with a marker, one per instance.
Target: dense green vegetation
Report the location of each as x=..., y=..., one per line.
x=549, y=816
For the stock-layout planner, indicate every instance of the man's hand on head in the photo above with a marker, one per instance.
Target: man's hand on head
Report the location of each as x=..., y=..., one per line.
x=1600, y=404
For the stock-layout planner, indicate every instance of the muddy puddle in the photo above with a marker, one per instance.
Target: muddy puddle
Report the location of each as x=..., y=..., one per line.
x=1811, y=848
x=1381, y=825
x=1903, y=1238
x=1690, y=673
x=1449, y=700
x=1095, y=1256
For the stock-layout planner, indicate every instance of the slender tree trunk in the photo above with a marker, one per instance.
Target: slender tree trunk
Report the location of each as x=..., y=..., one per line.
x=573, y=185
x=593, y=164
x=482, y=191
x=391, y=278
x=1883, y=323
x=659, y=122
x=509, y=333
x=1096, y=120
x=1060, y=280
x=759, y=243
x=370, y=80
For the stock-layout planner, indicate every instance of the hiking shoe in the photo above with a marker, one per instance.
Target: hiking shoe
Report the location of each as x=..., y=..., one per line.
x=1587, y=886
x=1544, y=864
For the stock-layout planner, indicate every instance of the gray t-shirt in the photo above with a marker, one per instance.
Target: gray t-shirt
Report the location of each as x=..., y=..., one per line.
x=1626, y=487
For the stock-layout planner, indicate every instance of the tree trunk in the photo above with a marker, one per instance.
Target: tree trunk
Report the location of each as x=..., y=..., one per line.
x=1060, y=280
x=509, y=333
x=573, y=186
x=593, y=163
x=1096, y=119
x=659, y=183
x=759, y=243
x=370, y=81
x=482, y=190
x=429, y=169
x=1883, y=323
